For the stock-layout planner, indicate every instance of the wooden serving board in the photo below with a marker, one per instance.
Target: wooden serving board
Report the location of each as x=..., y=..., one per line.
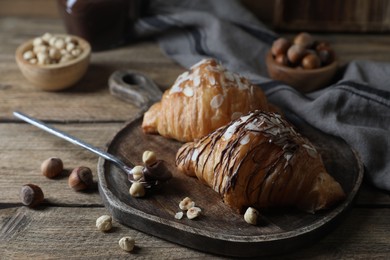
x=219, y=229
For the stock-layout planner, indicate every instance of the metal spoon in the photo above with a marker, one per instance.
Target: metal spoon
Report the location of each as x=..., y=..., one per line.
x=155, y=179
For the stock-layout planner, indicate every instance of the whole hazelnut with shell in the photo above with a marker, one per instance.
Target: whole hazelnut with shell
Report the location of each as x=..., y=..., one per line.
x=52, y=167
x=311, y=61
x=295, y=53
x=81, y=178
x=280, y=46
x=31, y=195
x=304, y=39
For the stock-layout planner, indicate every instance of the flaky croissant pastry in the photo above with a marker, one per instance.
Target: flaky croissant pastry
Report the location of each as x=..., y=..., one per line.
x=201, y=100
x=260, y=161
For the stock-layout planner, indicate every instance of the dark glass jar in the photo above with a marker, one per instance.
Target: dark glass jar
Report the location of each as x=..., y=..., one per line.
x=105, y=24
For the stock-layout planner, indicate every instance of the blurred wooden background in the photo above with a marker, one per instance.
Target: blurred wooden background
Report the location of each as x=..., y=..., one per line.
x=286, y=15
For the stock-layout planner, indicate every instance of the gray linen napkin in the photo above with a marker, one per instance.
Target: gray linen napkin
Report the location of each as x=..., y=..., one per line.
x=356, y=108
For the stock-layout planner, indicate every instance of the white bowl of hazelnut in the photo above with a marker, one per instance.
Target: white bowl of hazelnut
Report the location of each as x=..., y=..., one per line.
x=53, y=62
x=303, y=63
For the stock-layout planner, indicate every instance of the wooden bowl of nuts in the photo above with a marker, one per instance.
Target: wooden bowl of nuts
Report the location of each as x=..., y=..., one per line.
x=53, y=62
x=303, y=63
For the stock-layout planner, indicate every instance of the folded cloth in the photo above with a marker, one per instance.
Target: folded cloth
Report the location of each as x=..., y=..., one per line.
x=356, y=108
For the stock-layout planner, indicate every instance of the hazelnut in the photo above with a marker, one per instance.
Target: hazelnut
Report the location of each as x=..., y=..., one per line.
x=49, y=49
x=311, y=61
x=81, y=178
x=38, y=41
x=193, y=212
x=295, y=53
x=149, y=157
x=127, y=243
x=137, y=190
x=52, y=167
x=304, y=39
x=31, y=195
x=59, y=43
x=186, y=204
x=280, y=46
x=104, y=223
x=46, y=37
x=325, y=53
x=137, y=172
x=281, y=59
x=54, y=54
x=28, y=55
x=251, y=216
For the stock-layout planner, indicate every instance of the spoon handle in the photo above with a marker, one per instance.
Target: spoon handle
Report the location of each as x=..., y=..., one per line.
x=71, y=139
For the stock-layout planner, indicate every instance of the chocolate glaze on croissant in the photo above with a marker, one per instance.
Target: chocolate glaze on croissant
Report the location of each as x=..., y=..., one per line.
x=201, y=100
x=259, y=160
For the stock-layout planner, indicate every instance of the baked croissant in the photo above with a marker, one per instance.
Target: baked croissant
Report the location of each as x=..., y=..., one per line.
x=201, y=100
x=260, y=161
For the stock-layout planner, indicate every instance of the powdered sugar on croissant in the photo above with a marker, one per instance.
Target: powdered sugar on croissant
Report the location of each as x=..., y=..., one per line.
x=201, y=100
x=259, y=160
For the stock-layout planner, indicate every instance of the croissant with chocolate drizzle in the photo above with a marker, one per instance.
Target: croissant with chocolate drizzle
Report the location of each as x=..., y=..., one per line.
x=259, y=160
x=202, y=99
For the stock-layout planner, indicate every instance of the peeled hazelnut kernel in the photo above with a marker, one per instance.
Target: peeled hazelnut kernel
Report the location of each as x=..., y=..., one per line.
x=33, y=61
x=65, y=58
x=137, y=172
x=137, y=190
x=54, y=54
x=40, y=49
x=38, y=41
x=311, y=61
x=46, y=37
x=251, y=216
x=42, y=58
x=127, y=243
x=69, y=39
x=149, y=157
x=28, y=55
x=304, y=39
x=104, y=223
x=70, y=46
x=52, y=167
x=186, y=204
x=193, y=212
x=280, y=46
x=59, y=44
x=75, y=52
x=31, y=195
x=52, y=40
x=81, y=178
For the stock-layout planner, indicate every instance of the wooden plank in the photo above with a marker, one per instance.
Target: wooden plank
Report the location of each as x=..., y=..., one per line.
x=37, y=145
x=67, y=232
x=36, y=8
x=71, y=232
x=25, y=147
x=333, y=15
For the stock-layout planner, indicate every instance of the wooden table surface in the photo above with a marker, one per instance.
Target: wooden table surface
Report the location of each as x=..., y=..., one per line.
x=64, y=226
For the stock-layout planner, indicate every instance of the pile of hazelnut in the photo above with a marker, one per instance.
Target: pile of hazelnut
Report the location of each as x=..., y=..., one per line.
x=81, y=178
x=303, y=52
x=52, y=49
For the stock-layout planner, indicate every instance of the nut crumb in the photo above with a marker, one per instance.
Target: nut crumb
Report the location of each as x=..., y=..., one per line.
x=179, y=215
